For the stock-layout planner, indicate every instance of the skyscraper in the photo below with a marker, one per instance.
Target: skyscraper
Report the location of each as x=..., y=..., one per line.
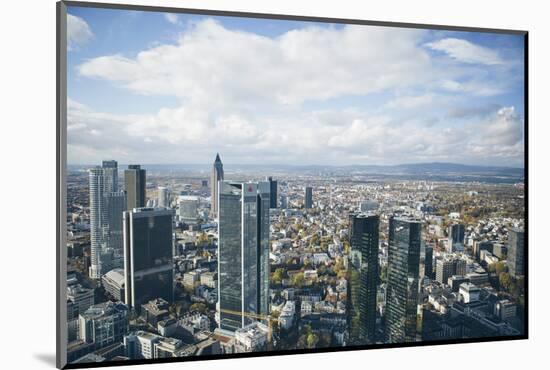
x=110, y=171
x=103, y=186
x=444, y=269
x=134, y=184
x=148, y=256
x=115, y=205
x=273, y=192
x=403, y=279
x=243, y=252
x=217, y=175
x=516, y=250
x=163, y=197
x=447, y=267
x=188, y=208
x=96, y=185
x=456, y=238
x=426, y=260
x=308, y=197
x=364, y=235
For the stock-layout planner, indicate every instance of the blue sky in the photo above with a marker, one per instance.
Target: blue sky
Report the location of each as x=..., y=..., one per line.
x=150, y=87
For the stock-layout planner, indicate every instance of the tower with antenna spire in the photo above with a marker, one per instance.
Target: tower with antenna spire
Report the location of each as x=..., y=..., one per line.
x=217, y=175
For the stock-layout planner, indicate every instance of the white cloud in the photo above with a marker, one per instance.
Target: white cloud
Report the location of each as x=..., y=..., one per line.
x=211, y=63
x=245, y=96
x=465, y=51
x=172, y=18
x=78, y=32
x=189, y=135
x=408, y=102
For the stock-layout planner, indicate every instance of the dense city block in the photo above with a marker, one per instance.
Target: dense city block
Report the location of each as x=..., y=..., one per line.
x=175, y=261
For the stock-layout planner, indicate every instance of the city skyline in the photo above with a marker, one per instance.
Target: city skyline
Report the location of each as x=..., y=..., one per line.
x=457, y=95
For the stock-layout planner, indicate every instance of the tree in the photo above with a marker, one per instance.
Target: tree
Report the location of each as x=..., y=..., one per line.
x=298, y=279
x=346, y=248
x=314, y=240
x=278, y=276
x=311, y=340
x=200, y=307
x=202, y=239
x=500, y=267
x=504, y=280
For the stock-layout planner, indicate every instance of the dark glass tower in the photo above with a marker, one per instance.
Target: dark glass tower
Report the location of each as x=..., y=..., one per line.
x=243, y=252
x=516, y=252
x=426, y=260
x=364, y=279
x=308, y=197
x=273, y=191
x=134, y=184
x=217, y=175
x=403, y=279
x=456, y=238
x=148, y=256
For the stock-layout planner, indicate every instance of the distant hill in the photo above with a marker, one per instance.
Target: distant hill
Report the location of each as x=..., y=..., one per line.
x=447, y=168
x=435, y=171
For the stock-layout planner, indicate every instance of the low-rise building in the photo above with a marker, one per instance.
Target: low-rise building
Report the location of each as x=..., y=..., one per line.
x=113, y=283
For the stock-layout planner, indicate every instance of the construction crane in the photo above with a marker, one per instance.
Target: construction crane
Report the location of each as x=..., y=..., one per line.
x=256, y=316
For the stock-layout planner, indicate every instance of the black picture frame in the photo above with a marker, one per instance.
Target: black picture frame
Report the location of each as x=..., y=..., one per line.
x=61, y=143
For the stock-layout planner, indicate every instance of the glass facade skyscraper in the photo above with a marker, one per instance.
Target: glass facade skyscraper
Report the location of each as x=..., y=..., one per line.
x=308, y=197
x=243, y=252
x=115, y=205
x=163, y=197
x=148, y=254
x=364, y=278
x=105, y=217
x=134, y=185
x=217, y=175
x=273, y=192
x=456, y=238
x=516, y=252
x=403, y=279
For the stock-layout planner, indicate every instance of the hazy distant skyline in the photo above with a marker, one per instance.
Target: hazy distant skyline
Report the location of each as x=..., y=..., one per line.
x=158, y=88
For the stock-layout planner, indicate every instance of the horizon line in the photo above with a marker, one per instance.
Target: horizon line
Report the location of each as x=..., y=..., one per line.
x=303, y=165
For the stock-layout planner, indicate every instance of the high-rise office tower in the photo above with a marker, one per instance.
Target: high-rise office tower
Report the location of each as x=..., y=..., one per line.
x=403, y=279
x=96, y=184
x=426, y=260
x=243, y=252
x=103, y=182
x=110, y=171
x=115, y=205
x=284, y=201
x=481, y=246
x=516, y=250
x=163, y=197
x=444, y=269
x=308, y=197
x=273, y=192
x=189, y=208
x=217, y=175
x=363, y=284
x=134, y=184
x=447, y=267
x=456, y=238
x=148, y=256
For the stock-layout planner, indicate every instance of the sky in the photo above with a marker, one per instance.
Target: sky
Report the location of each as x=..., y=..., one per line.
x=163, y=88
